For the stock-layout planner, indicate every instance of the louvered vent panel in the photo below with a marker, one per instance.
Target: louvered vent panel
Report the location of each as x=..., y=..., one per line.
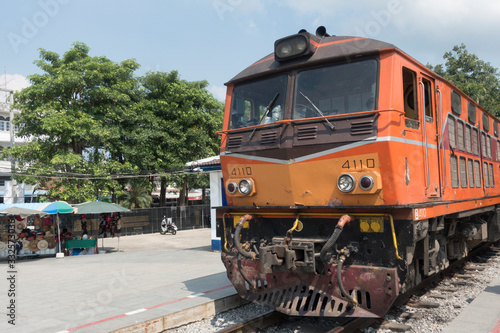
x=307, y=133
x=361, y=127
x=234, y=142
x=268, y=138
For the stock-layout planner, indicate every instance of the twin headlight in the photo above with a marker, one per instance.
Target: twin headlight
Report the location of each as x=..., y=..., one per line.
x=243, y=186
x=293, y=47
x=347, y=183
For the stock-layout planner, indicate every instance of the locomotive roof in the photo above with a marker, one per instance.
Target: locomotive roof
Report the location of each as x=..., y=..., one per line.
x=328, y=48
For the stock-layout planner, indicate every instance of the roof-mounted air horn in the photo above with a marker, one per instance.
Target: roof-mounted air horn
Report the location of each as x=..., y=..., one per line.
x=321, y=32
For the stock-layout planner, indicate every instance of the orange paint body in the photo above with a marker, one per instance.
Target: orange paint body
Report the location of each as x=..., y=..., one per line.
x=409, y=169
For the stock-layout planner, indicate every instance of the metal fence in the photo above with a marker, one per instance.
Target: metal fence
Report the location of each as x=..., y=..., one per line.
x=142, y=221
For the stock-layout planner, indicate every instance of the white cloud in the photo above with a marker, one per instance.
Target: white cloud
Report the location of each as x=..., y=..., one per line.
x=218, y=92
x=449, y=17
x=426, y=29
x=413, y=17
x=14, y=82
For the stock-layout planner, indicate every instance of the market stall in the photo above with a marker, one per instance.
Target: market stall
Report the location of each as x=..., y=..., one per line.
x=110, y=215
x=26, y=232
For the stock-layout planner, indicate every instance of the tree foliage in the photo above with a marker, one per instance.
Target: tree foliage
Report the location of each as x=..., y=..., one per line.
x=476, y=78
x=139, y=195
x=180, y=121
x=76, y=115
x=88, y=119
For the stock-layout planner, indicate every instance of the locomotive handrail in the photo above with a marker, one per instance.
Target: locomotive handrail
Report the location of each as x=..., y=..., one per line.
x=289, y=121
x=442, y=133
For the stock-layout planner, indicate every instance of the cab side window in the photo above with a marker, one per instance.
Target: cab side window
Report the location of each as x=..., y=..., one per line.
x=410, y=97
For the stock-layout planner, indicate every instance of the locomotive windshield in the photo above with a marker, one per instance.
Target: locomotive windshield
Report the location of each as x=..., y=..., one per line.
x=338, y=89
x=250, y=101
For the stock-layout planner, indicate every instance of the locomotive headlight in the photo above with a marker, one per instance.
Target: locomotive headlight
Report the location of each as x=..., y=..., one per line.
x=245, y=186
x=231, y=187
x=366, y=182
x=291, y=47
x=346, y=183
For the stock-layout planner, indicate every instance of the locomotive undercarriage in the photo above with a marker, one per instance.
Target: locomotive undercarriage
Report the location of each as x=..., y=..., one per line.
x=439, y=241
x=359, y=276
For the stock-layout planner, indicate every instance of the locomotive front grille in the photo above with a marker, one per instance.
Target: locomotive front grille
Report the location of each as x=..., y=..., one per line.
x=307, y=133
x=362, y=127
x=268, y=138
x=234, y=142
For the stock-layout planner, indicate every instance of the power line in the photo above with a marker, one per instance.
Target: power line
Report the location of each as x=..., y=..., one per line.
x=105, y=177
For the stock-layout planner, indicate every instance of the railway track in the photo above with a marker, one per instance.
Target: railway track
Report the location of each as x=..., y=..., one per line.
x=411, y=299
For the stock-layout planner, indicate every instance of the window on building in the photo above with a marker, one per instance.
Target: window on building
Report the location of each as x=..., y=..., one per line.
x=3, y=179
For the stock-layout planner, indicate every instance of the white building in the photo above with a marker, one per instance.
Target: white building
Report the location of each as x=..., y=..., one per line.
x=211, y=165
x=9, y=192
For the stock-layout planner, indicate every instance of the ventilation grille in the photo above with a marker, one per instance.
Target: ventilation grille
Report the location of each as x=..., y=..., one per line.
x=268, y=138
x=297, y=300
x=307, y=133
x=234, y=142
x=362, y=127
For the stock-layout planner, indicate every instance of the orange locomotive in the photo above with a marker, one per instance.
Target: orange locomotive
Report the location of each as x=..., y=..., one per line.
x=351, y=171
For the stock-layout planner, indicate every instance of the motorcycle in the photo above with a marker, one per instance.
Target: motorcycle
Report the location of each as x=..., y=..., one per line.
x=168, y=226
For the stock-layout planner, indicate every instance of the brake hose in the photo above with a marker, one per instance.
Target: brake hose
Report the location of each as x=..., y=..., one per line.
x=336, y=233
x=339, y=281
x=237, y=244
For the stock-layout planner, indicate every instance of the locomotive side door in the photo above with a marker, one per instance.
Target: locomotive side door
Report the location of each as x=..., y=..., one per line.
x=427, y=108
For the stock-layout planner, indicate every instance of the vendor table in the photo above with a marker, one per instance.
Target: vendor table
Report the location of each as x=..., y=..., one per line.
x=78, y=244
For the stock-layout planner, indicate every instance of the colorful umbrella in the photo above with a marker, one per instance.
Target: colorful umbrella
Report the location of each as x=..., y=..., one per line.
x=57, y=207
x=98, y=207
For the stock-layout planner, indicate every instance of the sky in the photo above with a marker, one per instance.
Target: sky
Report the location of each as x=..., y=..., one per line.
x=214, y=40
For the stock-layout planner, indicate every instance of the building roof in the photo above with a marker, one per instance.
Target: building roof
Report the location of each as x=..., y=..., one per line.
x=209, y=164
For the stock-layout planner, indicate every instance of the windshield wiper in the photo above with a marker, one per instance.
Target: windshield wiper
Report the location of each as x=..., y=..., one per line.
x=318, y=111
x=268, y=108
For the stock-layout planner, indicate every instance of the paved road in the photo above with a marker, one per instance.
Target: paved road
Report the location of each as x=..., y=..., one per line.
x=157, y=274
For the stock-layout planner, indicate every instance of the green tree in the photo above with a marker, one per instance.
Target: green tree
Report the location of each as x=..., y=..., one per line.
x=476, y=78
x=139, y=195
x=78, y=115
x=179, y=120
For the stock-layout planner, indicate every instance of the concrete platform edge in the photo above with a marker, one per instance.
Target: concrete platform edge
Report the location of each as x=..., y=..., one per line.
x=186, y=316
